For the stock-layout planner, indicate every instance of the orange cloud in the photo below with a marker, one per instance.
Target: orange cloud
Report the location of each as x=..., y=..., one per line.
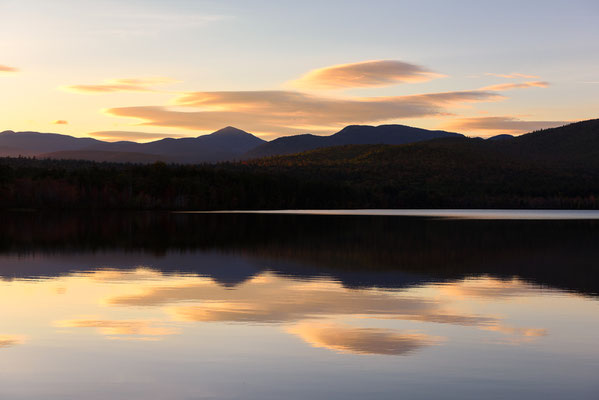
x=129, y=135
x=509, y=86
x=121, y=85
x=349, y=339
x=6, y=68
x=60, y=122
x=505, y=124
x=289, y=111
x=365, y=74
x=514, y=75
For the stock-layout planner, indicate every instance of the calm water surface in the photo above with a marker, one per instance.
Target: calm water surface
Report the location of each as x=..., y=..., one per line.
x=209, y=306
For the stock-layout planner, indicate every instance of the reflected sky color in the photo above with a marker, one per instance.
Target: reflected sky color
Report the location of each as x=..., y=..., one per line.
x=152, y=306
x=309, y=326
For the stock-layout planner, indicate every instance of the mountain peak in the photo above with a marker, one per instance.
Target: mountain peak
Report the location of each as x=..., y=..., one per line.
x=229, y=131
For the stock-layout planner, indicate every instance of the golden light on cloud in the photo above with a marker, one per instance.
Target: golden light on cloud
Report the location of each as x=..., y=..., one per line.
x=505, y=124
x=133, y=135
x=374, y=73
x=510, y=86
x=356, y=340
x=60, y=122
x=514, y=75
x=6, y=68
x=121, y=85
x=278, y=111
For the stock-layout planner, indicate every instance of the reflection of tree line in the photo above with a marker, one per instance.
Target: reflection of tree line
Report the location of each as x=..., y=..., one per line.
x=556, y=253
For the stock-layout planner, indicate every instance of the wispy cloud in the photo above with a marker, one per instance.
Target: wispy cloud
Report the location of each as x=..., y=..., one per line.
x=6, y=68
x=514, y=75
x=506, y=124
x=509, y=86
x=280, y=112
x=121, y=85
x=289, y=111
x=60, y=122
x=131, y=135
x=365, y=74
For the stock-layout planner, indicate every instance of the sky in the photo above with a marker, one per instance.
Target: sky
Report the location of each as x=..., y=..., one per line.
x=142, y=70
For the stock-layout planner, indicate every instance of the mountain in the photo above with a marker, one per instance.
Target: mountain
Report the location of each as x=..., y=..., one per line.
x=353, y=134
x=554, y=168
x=576, y=143
x=226, y=144
x=223, y=145
x=500, y=137
x=32, y=143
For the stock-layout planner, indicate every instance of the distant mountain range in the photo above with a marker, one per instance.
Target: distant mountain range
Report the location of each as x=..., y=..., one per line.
x=553, y=168
x=353, y=134
x=227, y=144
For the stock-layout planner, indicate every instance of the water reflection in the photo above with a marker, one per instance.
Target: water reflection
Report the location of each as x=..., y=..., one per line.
x=345, y=338
x=144, y=304
x=10, y=340
x=155, y=306
x=358, y=251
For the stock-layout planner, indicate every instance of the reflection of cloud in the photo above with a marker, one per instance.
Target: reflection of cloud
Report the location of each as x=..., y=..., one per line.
x=272, y=301
x=116, y=275
x=513, y=76
x=60, y=122
x=10, y=340
x=121, y=85
x=485, y=288
x=128, y=135
x=6, y=68
x=118, y=327
x=525, y=332
x=349, y=339
x=501, y=123
x=365, y=74
x=276, y=111
x=509, y=86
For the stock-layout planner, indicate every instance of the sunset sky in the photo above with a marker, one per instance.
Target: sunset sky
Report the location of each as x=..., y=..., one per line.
x=142, y=70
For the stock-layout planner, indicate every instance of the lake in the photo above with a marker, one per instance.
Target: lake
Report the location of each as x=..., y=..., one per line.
x=296, y=305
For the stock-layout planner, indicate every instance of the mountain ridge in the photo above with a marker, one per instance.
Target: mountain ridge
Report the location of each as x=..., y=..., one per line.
x=232, y=144
x=226, y=144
